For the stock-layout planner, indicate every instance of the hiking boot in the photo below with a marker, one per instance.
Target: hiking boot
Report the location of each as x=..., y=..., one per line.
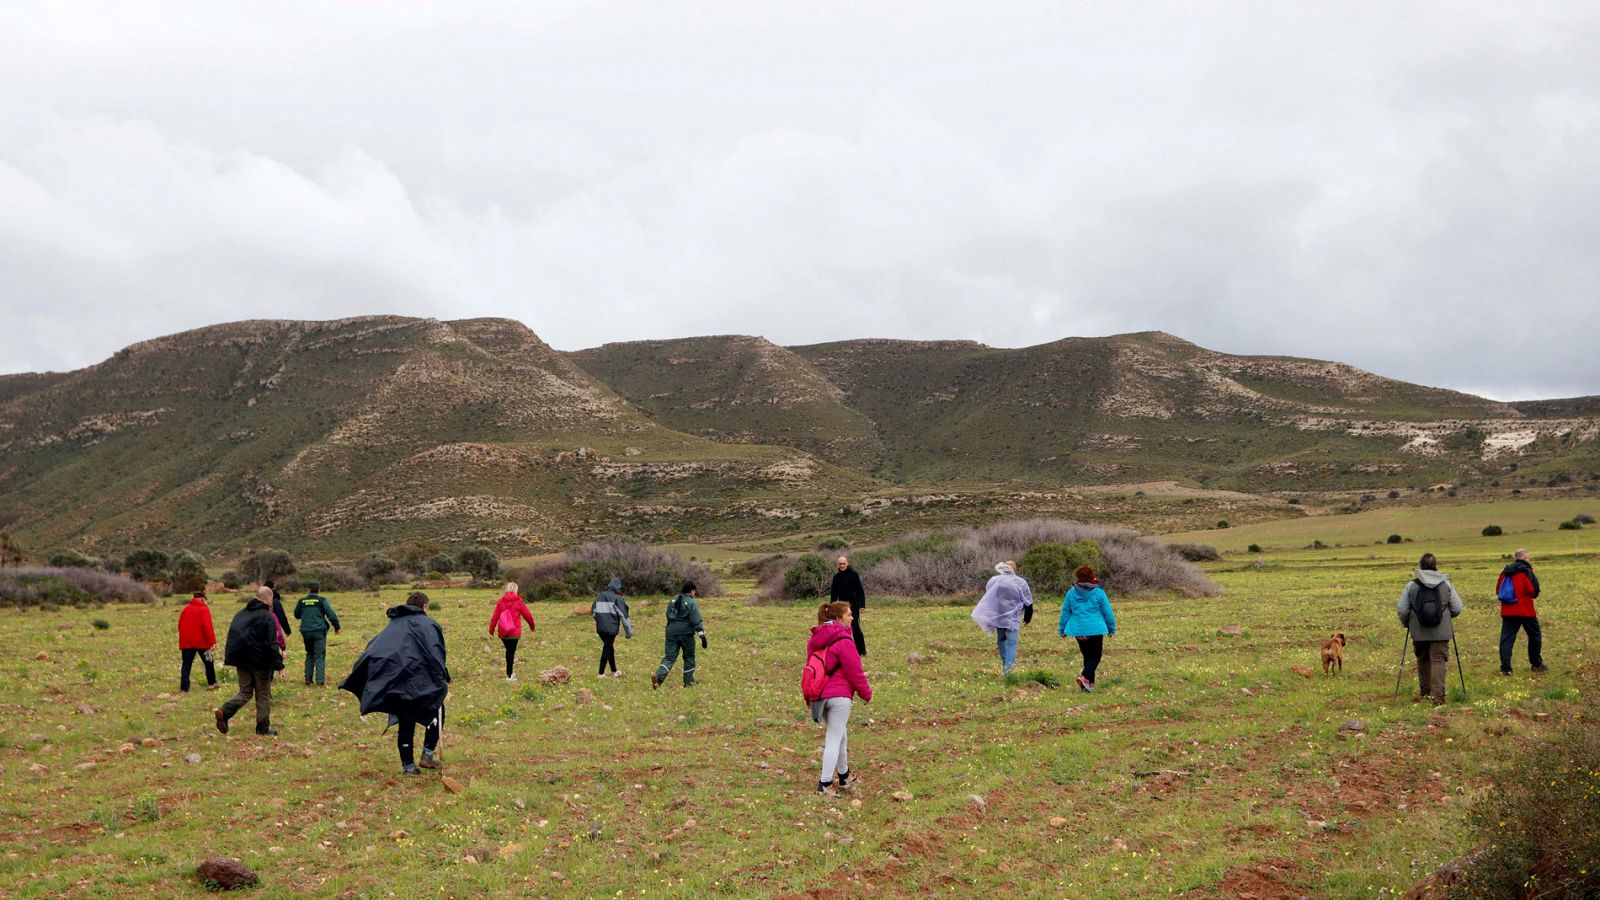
x=222, y=720
x=428, y=762
x=410, y=769
x=308, y=682
x=1540, y=668
x=655, y=681
x=267, y=732
x=846, y=781
x=1505, y=671
x=826, y=790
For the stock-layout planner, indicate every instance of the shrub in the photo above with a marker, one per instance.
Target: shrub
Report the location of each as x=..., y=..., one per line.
x=147, y=565
x=1394, y=539
x=1253, y=548
x=1492, y=531
x=810, y=577
x=188, y=571
x=1394, y=495
x=1018, y=678
x=1583, y=519
x=68, y=587
x=441, y=563
x=481, y=563
x=1542, y=820
x=1048, y=567
x=100, y=624
x=1294, y=501
x=585, y=570
x=232, y=580
x=10, y=551
x=1569, y=525
x=1317, y=545
x=266, y=565
x=833, y=542
x=1197, y=552
x=1222, y=523
x=414, y=557
x=72, y=559
x=376, y=569
x=760, y=568
x=327, y=576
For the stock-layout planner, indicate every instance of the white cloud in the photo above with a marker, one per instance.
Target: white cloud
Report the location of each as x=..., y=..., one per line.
x=1410, y=191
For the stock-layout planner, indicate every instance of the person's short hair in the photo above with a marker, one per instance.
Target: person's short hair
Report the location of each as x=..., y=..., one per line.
x=417, y=599
x=688, y=588
x=268, y=584
x=1084, y=573
x=511, y=587
x=832, y=612
x=314, y=587
x=200, y=594
x=1521, y=554
x=1428, y=562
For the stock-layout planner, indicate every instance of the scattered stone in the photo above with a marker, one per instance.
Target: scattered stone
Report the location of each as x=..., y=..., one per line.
x=1541, y=715
x=510, y=850
x=39, y=769
x=399, y=834
x=1353, y=726
x=580, y=611
x=914, y=658
x=1303, y=671
x=555, y=675
x=978, y=801
x=1231, y=629
x=470, y=860
x=150, y=742
x=902, y=796
x=226, y=874
x=85, y=709
x=41, y=656
x=1058, y=822
x=192, y=759
x=38, y=738
x=451, y=785
x=127, y=748
x=84, y=766
x=1247, y=692
x=584, y=697
x=520, y=803
x=855, y=804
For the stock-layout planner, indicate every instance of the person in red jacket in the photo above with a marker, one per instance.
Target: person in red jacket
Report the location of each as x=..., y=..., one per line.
x=1520, y=614
x=506, y=622
x=835, y=640
x=197, y=638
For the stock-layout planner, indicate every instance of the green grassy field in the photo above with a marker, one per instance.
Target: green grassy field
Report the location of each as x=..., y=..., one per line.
x=1203, y=765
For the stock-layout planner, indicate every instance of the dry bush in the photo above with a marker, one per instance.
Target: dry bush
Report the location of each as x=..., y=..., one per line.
x=68, y=587
x=585, y=570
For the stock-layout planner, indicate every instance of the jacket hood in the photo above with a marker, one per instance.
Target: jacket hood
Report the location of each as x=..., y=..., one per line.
x=1086, y=587
x=404, y=609
x=826, y=635
x=255, y=603
x=198, y=601
x=1429, y=577
x=615, y=586
x=1520, y=565
x=508, y=597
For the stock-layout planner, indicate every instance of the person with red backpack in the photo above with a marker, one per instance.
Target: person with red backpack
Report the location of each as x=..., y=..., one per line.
x=1517, y=587
x=509, y=613
x=833, y=675
x=1426, y=608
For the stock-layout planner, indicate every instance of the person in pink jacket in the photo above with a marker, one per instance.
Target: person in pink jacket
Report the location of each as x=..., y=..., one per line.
x=834, y=639
x=506, y=622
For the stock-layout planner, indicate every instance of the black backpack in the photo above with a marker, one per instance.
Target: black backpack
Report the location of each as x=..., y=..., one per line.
x=1428, y=604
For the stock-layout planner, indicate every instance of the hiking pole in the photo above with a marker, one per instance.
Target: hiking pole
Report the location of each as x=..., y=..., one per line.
x=1459, y=670
x=1404, y=636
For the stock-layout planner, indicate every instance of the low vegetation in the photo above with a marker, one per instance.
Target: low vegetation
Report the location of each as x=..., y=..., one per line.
x=50, y=587
x=584, y=571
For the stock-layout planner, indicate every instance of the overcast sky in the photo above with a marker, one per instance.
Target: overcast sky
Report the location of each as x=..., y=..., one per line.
x=1410, y=188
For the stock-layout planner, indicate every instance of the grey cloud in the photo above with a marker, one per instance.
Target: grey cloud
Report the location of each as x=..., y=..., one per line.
x=1408, y=191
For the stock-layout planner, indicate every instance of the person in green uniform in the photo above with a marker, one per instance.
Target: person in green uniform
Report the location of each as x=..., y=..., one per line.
x=316, y=615
x=683, y=626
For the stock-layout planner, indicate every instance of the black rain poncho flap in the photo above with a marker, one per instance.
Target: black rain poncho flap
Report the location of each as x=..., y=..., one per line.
x=402, y=672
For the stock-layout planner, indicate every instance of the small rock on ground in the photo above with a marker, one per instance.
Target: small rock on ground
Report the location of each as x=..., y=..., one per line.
x=902, y=796
x=226, y=874
x=1231, y=629
x=451, y=785
x=1352, y=726
x=584, y=697
x=555, y=675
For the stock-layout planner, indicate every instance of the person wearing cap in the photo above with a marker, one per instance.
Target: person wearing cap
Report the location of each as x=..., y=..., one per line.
x=316, y=615
x=196, y=637
x=255, y=650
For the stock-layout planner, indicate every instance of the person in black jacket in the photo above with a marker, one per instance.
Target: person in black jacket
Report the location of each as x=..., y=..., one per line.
x=277, y=607
x=402, y=672
x=252, y=649
x=847, y=587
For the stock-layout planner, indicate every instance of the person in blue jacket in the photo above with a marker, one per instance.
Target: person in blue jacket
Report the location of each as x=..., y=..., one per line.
x=1086, y=615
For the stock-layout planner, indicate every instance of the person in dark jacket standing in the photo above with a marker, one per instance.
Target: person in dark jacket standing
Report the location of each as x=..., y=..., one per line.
x=196, y=638
x=1520, y=614
x=403, y=673
x=252, y=649
x=316, y=615
x=1431, y=643
x=277, y=606
x=683, y=626
x=610, y=611
x=847, y=589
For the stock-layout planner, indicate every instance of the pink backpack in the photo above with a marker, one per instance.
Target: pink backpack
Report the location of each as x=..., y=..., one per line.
x=506, y=622
x=815, y=676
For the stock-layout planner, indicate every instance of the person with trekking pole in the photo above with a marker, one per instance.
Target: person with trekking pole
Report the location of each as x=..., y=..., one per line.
x=1427, y=608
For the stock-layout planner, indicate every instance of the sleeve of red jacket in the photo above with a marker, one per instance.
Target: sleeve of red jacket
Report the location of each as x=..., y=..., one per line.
x=850, y=663
x=211, y=635
x=527, y=616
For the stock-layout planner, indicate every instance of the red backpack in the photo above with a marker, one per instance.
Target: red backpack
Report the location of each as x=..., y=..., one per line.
x=815, y=676
x=506, y=622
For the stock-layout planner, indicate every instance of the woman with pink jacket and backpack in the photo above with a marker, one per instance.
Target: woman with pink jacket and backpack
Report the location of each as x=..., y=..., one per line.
x=845, y=679
x=506, y=623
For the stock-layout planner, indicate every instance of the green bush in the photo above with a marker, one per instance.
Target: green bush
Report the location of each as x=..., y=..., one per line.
x=1569, y=525
x=833, y=542
x=1048, y=567
x=1253, y=548
x=1394, y=539
x=188, y=571
x=1583, y=519
x=72, y=559
x=1018, y=677
x=42, y=590
x=232, y=580
x=377, y=569
x=810, y=577
x=1197, y=552
x=100, y=624
x=480, y=563
x=1222, y=523
x=266, y=565
x=441, y=563
x=147, y=565
x=1492, y=531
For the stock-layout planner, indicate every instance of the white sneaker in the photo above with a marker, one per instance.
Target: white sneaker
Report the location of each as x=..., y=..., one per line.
x=511, y=678
x=616, y=674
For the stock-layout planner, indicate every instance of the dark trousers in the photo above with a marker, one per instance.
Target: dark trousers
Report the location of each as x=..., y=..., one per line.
x=255, y=683
x=855, y=632
x=1433, y=669
x=406, y=733
x=608, y=652
x=1508, y=640
x=511, y=655
x=675, y=645
x=316, y=655
x=1091, y=648
x=189, y=654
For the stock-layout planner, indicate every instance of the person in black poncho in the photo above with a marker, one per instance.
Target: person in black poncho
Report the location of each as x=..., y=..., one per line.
x=402, y=672
x=847, y=588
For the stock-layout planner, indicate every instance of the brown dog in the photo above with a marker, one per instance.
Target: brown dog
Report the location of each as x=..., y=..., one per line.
x=1333, y=654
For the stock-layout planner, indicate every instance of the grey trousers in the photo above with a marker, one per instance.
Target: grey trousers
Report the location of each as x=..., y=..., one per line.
x=836, y=746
